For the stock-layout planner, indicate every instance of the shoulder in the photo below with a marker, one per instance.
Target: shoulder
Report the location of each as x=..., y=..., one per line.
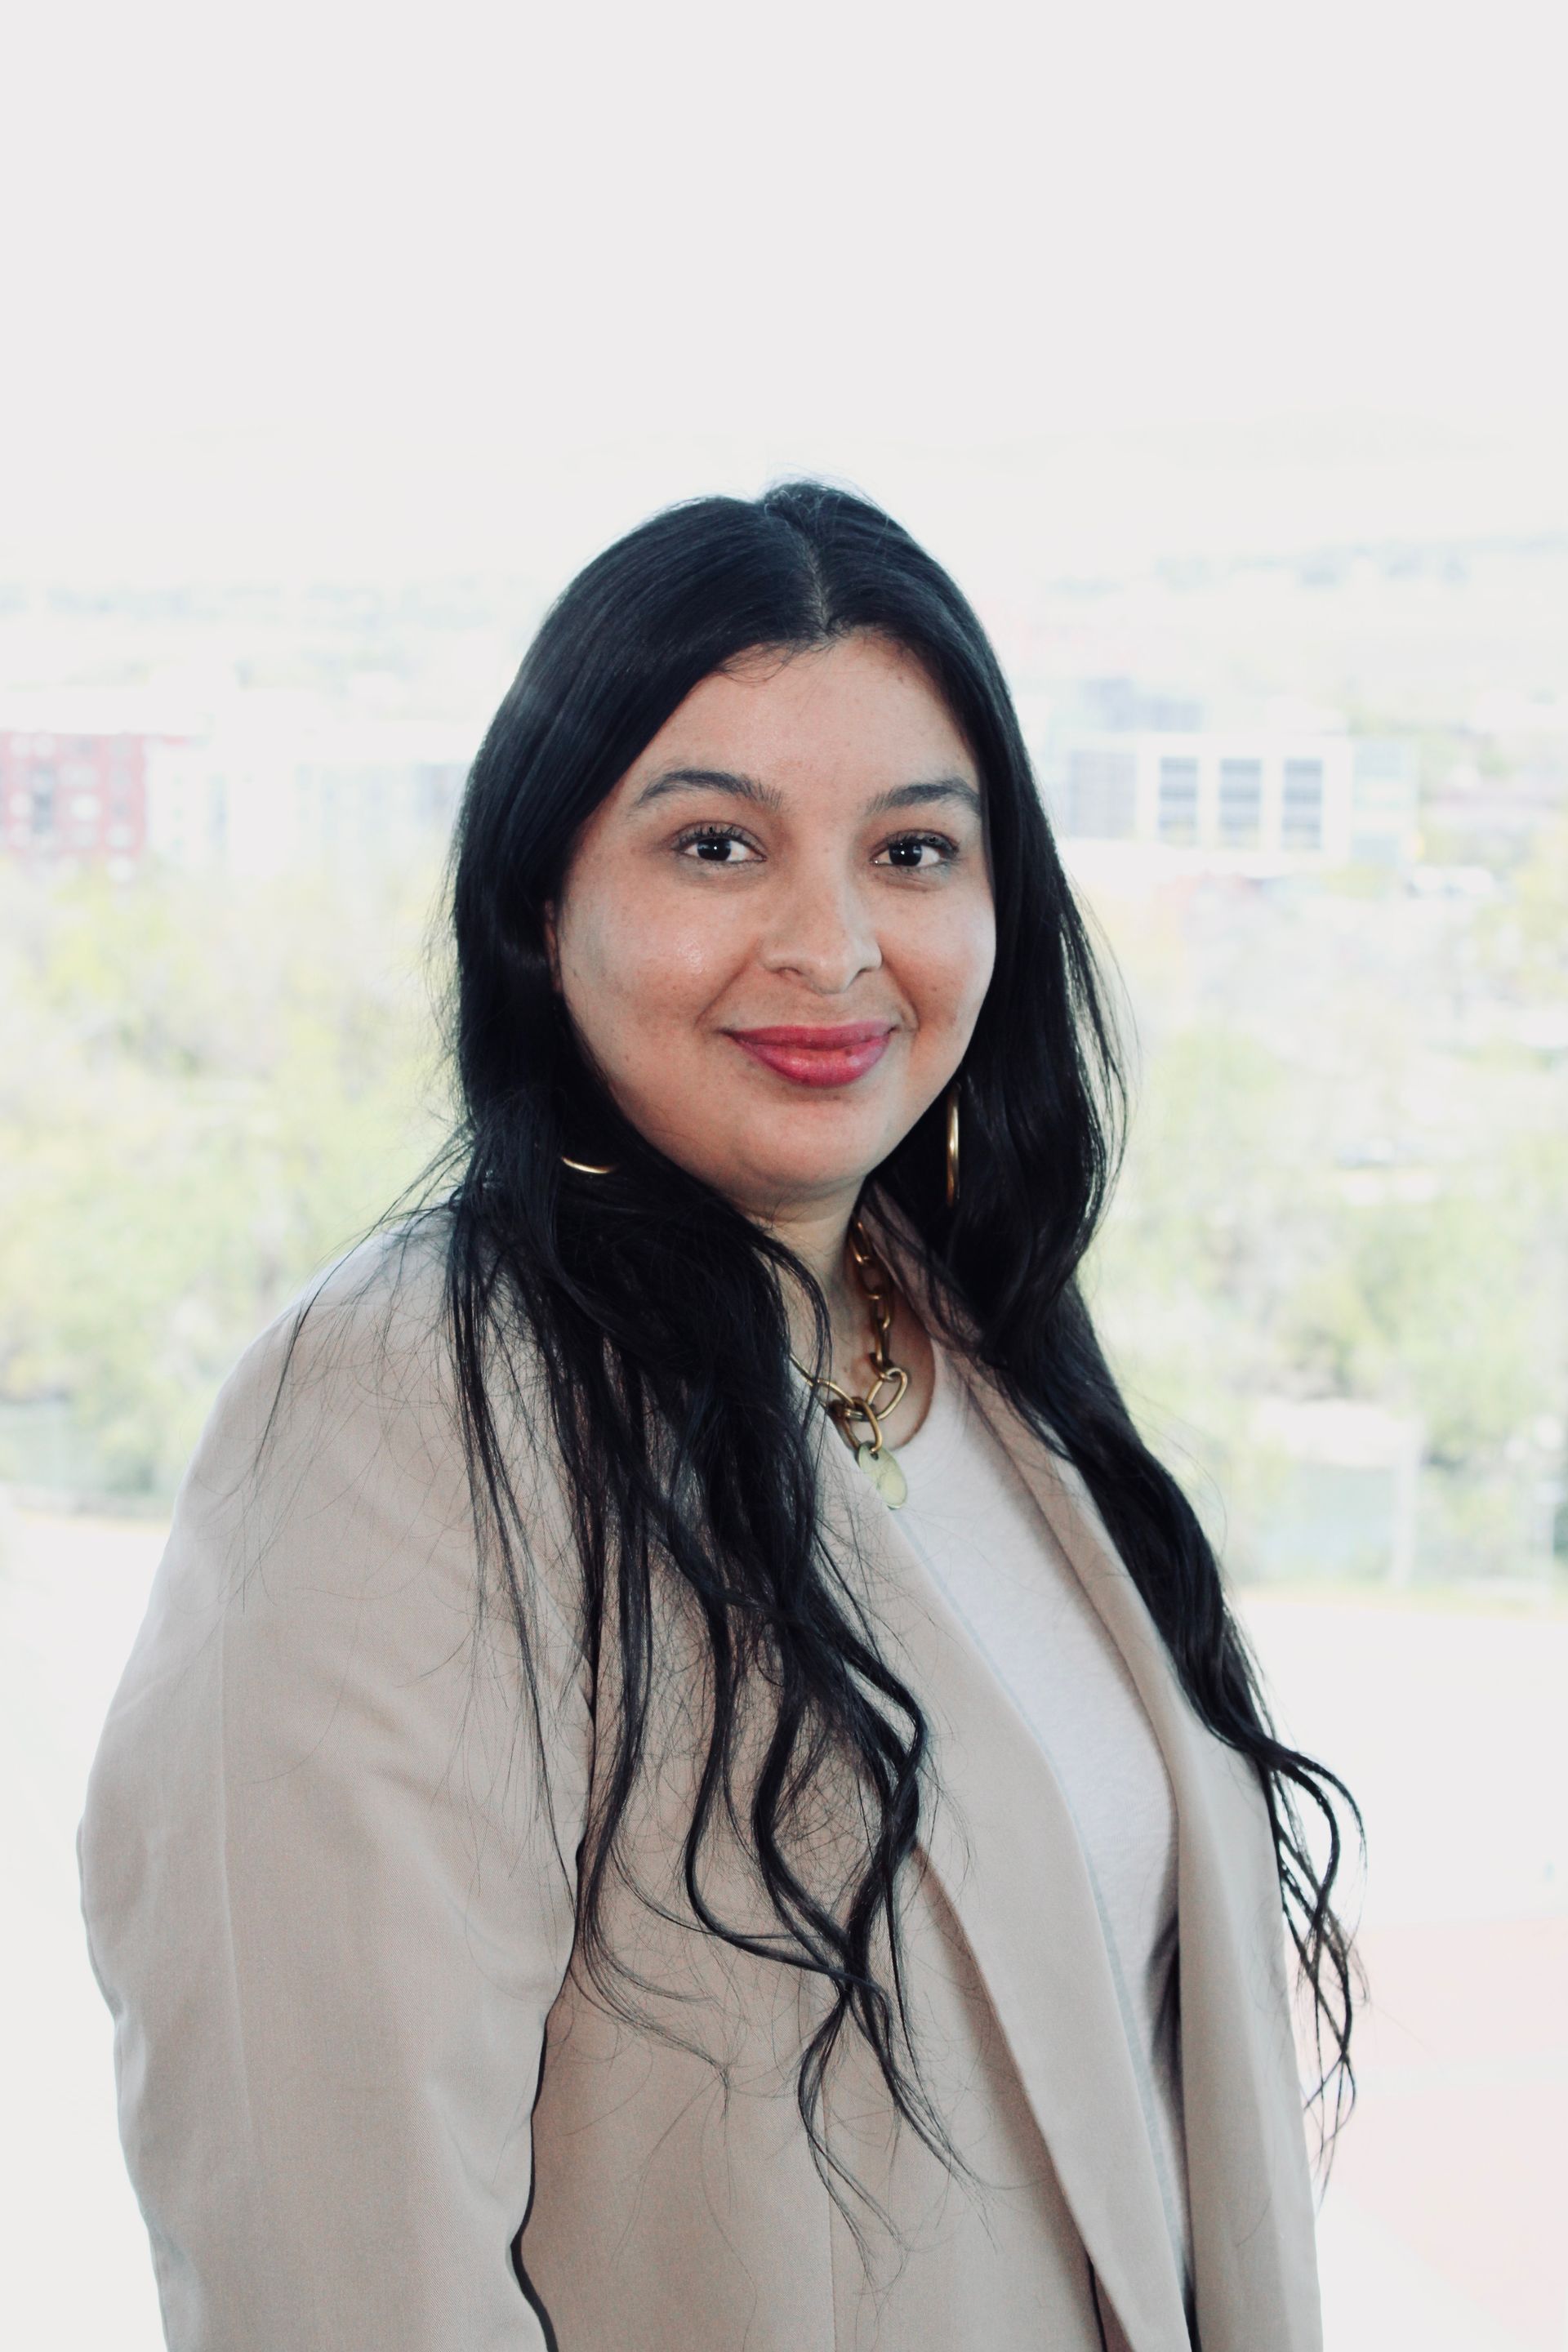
x=378, y=1310
x=330, y=1583
x=342, y=1419
x=369, y=1338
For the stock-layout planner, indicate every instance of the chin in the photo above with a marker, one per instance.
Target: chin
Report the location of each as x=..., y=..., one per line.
x=793, y=1162
x=802, y=1176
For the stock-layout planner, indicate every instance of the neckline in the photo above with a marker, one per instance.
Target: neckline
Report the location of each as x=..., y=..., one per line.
x=932, y=1439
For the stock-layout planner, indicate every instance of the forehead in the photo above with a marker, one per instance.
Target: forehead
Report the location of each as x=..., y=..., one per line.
x=860, y=708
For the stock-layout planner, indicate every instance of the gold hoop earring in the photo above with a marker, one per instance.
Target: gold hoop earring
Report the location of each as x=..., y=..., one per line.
x=952, y=1145
x=583, y=1168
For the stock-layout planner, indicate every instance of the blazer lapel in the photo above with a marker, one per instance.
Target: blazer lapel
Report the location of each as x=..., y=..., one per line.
x=999, y=1837
x=1248, y=2173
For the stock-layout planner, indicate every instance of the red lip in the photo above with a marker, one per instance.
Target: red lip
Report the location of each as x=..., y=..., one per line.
x=818, y=1057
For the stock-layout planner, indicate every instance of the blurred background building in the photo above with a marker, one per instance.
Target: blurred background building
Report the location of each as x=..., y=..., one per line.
x=275, y=785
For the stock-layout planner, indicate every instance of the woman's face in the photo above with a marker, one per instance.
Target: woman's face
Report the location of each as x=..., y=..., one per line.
x=776, y=931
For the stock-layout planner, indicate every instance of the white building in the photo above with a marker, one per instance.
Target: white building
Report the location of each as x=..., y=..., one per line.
x=272, y=792
x=1245, y=799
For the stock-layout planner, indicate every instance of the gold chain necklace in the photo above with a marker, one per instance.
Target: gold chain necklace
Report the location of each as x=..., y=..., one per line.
x=878, y=1461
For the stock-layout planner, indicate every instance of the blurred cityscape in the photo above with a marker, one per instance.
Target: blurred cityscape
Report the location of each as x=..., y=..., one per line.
x=1318, y=806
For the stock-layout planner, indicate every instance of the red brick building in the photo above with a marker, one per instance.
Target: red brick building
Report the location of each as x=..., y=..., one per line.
x=73, y=801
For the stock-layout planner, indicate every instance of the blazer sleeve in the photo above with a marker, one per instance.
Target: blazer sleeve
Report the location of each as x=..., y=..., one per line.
x=328, y=1865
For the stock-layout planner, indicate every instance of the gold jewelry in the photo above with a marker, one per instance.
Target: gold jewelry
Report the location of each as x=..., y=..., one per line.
x=845, y=1408
x=583, y=1167
x=952, y=1145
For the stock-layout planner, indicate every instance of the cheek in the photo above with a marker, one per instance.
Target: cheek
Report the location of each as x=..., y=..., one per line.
x=630, y=964
x=948, y=972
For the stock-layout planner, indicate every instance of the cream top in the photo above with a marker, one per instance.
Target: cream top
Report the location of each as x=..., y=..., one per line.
x=982, y=1536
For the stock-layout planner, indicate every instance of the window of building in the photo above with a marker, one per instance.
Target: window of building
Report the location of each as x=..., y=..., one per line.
x=1178, y=811
x=1240, y=803
x=43, y=784
x=1301, y=810
x=1102, y=793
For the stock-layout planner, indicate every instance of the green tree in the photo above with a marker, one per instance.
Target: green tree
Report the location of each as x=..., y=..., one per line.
x=205, y=1095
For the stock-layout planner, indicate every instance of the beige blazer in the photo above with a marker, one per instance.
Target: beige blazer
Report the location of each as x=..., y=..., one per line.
x=329, y=1881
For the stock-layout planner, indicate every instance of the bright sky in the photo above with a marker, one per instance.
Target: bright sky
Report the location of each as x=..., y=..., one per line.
x=340, y=285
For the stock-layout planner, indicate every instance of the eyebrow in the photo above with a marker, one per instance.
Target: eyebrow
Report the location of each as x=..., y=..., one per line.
x=940, y=788
x=748, y=788
x=712, y=779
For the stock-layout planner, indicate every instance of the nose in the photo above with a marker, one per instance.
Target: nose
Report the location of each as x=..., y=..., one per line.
x=821, y=931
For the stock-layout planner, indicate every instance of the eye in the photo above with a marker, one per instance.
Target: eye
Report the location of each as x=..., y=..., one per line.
x=917, y=853
x=714, y=844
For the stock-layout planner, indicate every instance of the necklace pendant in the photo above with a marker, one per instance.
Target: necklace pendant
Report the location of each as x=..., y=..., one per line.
x=883, y=1471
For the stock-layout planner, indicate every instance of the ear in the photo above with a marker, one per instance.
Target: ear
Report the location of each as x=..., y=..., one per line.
x=552, y=945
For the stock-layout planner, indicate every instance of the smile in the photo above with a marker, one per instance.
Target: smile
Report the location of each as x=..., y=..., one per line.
x=818, y=1057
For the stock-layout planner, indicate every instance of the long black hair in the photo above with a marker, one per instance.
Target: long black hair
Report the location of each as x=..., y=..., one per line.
x=655, y=1306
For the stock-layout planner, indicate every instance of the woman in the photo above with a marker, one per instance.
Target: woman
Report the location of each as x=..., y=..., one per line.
x=689, y=1782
